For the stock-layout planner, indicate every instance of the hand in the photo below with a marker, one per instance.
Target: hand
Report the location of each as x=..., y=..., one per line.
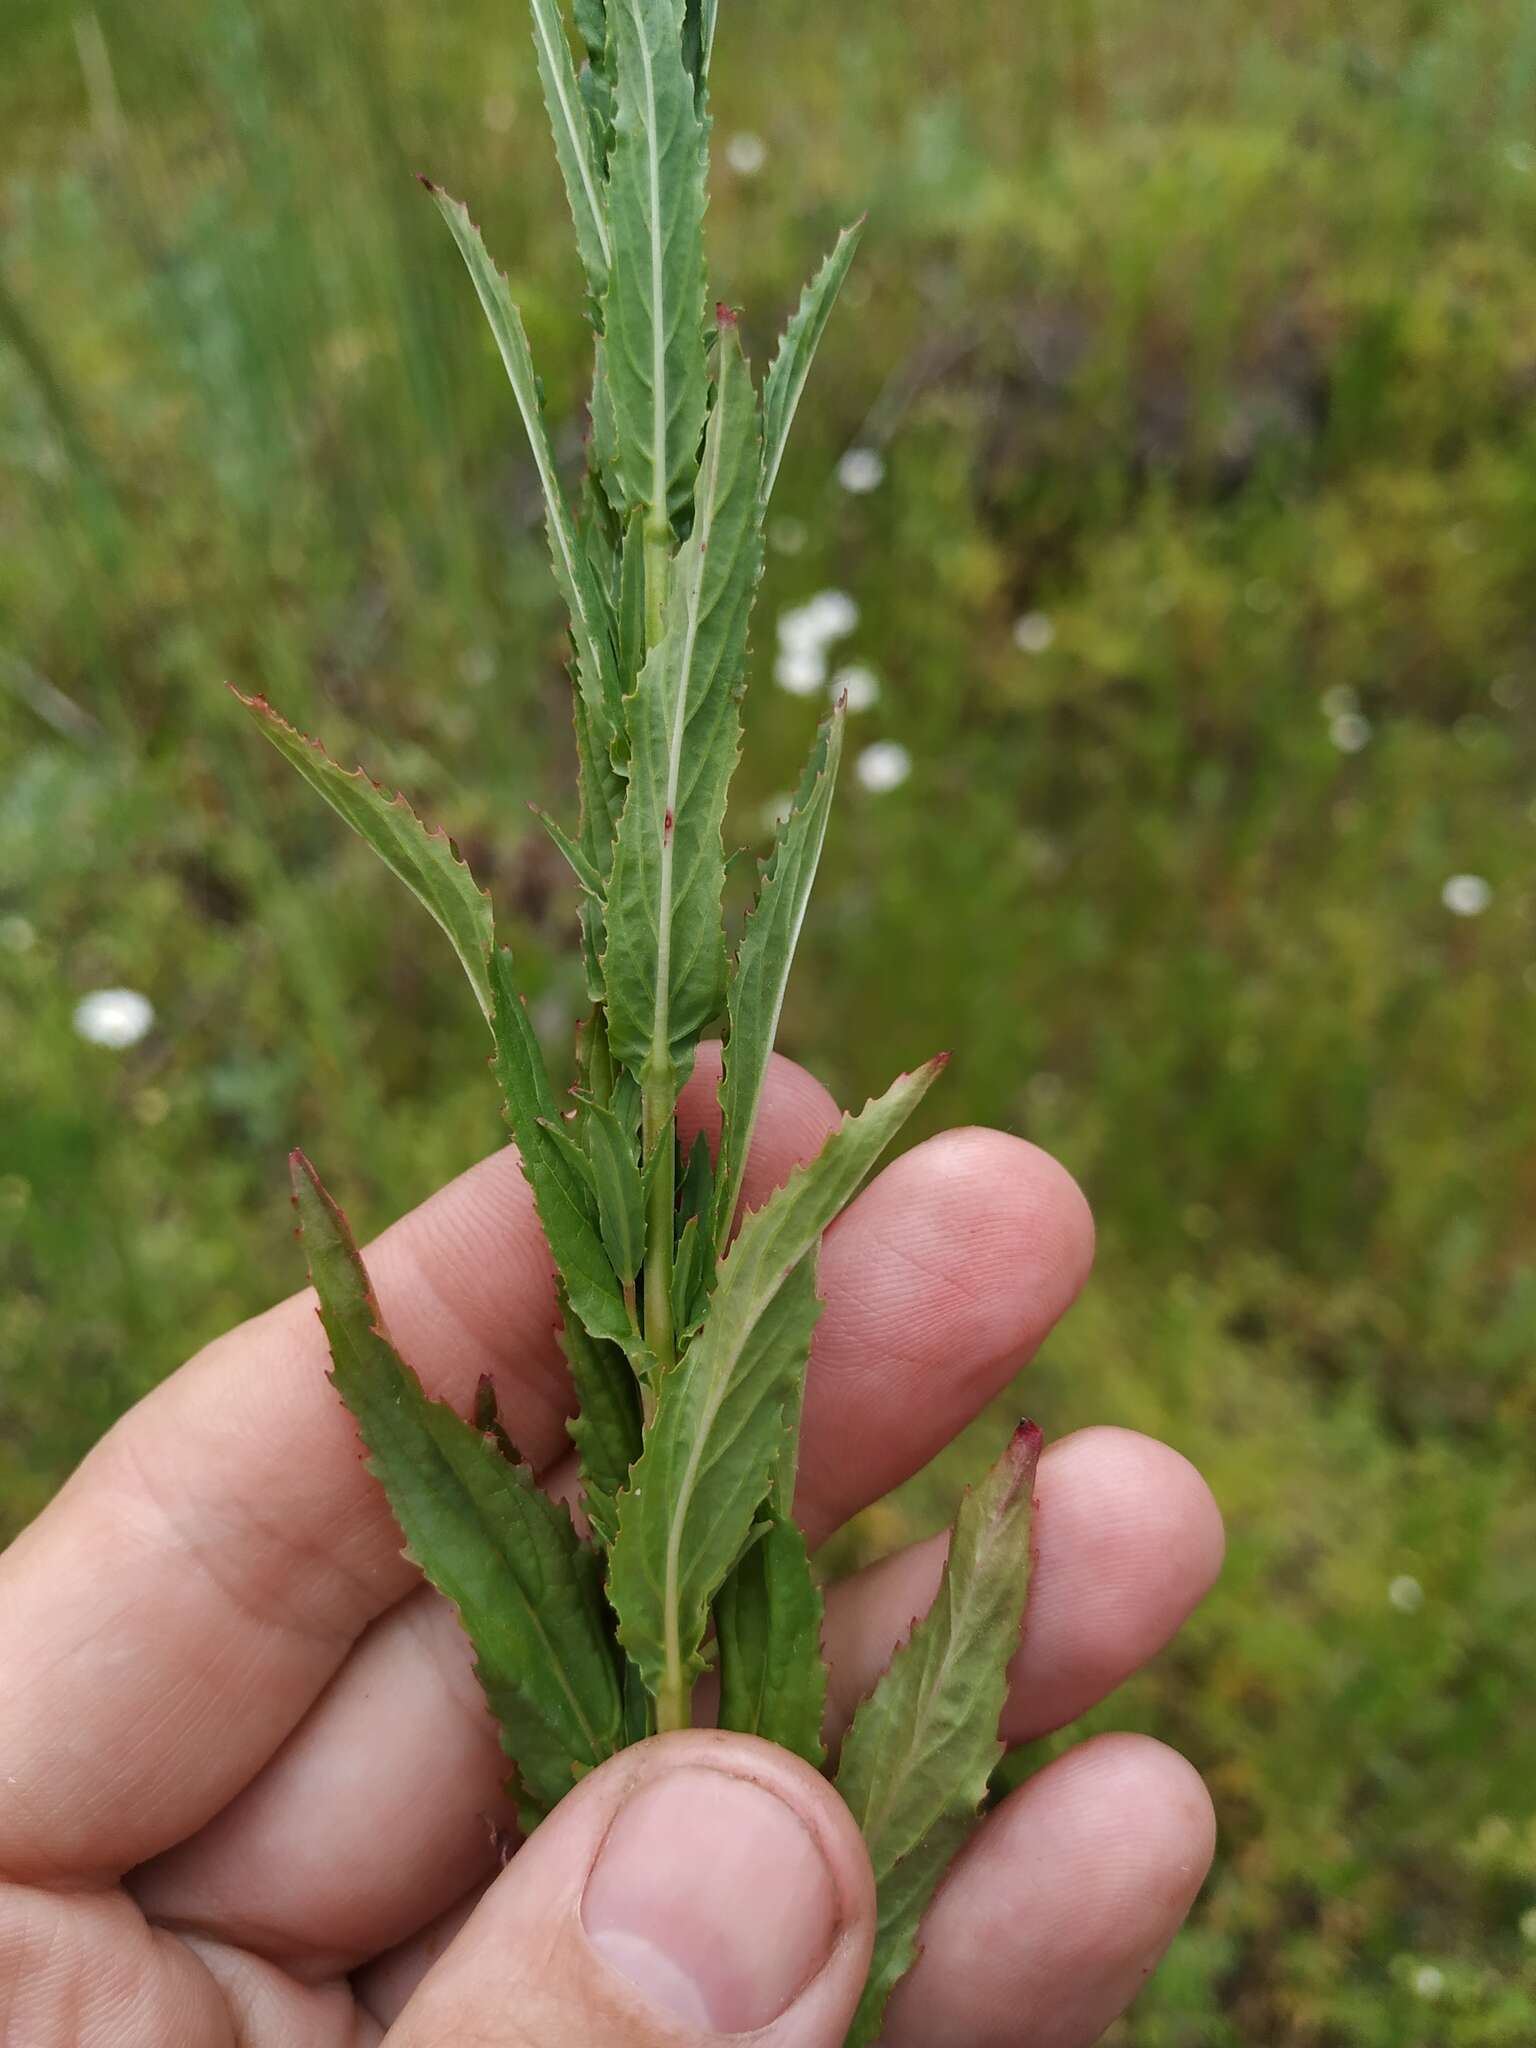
x=248, y=1787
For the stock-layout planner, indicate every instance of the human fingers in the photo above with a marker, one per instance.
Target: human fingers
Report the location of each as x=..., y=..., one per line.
x=695, y=1888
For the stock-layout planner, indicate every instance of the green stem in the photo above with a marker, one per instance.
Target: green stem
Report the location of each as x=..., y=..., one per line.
x=672, y=1706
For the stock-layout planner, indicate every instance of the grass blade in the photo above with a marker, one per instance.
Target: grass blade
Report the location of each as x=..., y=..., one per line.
x=653, y=316
x=596, y=673
x=718, y=1430
x=528, y=1593
x=916, y=1761
x=792, y=361
x=664, y=969
x=755, y=997
x=425, y=859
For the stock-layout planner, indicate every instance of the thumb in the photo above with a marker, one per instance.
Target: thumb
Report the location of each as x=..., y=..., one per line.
x=698, y=1886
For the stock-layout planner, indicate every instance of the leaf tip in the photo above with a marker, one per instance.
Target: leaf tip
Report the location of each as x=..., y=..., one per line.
x=1021, y=1460
x=427, y=184
x=726, y=317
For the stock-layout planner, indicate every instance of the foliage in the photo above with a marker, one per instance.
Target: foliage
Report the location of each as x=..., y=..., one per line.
x=1213, y=351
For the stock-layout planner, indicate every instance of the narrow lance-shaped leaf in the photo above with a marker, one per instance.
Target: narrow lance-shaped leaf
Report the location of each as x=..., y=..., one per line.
x=916, y=1761
x=528, y=1593
x=791, y=364
x=755, y=997
x=664, y=969
x=595, y=668
x=574, y=146
x=653, y=315
x=561, y=1185
x=717, y=1432
x=606, y=1426
x=425, y=860
x=768, y=1617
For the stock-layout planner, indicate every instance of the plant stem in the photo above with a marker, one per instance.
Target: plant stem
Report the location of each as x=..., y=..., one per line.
x=672, y=1706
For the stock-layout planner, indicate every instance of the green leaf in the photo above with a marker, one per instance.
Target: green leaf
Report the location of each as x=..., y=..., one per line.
x=575, y=856
x=614, y=1153
x=664, y=968
x=768, y=1616
x=756, y=994
x=688, y=1296
x=528, y=1593
x=699, y=43
x=717, y=1432
x=579, y=165
x=606, y=1426
x=602, y=803
x=425, y=859
x=916, y=1761
x=595, y=669
x=791, y=364
x=653, y=316
x=561, y=1185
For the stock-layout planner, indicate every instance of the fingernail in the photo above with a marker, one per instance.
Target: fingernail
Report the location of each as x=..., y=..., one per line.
x=712, y=1897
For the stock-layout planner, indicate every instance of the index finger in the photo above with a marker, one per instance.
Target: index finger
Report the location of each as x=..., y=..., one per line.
x=171, y=1616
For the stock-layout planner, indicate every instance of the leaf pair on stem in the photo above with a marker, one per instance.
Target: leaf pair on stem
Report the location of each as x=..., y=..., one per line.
x=686, y=1326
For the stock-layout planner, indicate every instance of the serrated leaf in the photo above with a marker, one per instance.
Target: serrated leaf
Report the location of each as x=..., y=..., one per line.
x=791, y=364
x=528, y=1593
x=606, y=1426
x=426, y=860
x=755, y=997
x=585, y=601
x=717, y=1432
x=768, y=1617
x=653, y=315
x=664, y=968
x=574, y=148
x=916, y=1761
x=613, y=1150
x=698, y=44
x=561, y=1185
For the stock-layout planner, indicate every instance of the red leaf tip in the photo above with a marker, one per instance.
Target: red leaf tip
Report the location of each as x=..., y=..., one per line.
x=1024, y=1448
x=424, y=180
x=725, y=315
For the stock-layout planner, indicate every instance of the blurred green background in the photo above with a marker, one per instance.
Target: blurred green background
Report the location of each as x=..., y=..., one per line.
x=1199, y=350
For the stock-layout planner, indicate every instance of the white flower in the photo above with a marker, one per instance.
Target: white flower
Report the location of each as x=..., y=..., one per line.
x=746, y=153
x=1349, y=732
x=861, y=470
x=1405, y=1594
x=860, y=685
x=1466, y=895
x=1428, y=1981
x=833, y=614
x=115, y=1017
x=800, y=669
x=885, y=765
x=1034, y=633
x=787, y=536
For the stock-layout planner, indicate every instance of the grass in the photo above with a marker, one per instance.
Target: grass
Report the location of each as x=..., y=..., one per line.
x=1214, y=349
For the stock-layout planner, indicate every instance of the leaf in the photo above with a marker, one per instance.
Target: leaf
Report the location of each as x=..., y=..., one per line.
x=528, y=1593
x=712, y=1445
x=755, y=997
x=768, y=1617
x=602, y=804
x=426, y=860
x=584, y=599
x=566, y=1205
x=688, y=1295
x=613, y=1151
x=916, y=1761
x=653, y=315
x=574, y=855
x=792, y=361
x=664, y=968
x=579, y=166
x=606, y=1426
